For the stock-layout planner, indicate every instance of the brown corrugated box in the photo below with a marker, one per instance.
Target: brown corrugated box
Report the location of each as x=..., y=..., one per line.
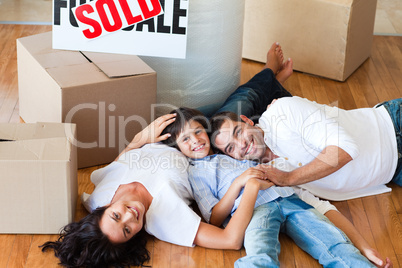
x=108, y=96
x=38, y=177
x=329, y=38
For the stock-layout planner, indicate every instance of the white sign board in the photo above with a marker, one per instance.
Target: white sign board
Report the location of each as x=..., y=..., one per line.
x=137, y=27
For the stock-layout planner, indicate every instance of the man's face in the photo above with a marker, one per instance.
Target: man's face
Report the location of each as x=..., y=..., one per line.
x=241, y=140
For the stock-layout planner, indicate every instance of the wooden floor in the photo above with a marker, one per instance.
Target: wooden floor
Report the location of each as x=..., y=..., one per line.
x=378, y=218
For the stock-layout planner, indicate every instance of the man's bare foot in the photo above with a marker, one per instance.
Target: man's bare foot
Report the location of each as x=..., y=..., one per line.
x=285, y=72
x=274, y=58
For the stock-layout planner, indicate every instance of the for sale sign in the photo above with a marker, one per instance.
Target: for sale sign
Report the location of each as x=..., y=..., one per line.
x=137, y=27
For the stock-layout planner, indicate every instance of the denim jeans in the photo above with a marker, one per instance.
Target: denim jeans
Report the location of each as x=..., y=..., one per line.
x=310, y=230
x=252, y=98
x=394, y=108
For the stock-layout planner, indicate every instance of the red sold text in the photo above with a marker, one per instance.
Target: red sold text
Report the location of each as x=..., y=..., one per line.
x=99, y=17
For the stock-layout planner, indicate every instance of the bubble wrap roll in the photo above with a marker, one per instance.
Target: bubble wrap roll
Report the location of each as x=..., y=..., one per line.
x=211, y=70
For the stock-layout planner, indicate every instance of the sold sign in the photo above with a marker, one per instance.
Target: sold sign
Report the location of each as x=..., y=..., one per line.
x=104, y=16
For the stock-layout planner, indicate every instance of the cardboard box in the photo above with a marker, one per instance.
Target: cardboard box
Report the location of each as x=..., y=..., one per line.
x=108, y=96
x=38, y=181
x=329, y=38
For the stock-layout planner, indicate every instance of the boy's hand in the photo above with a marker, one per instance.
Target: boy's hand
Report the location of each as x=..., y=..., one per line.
x=375, y=257
x=262, y=184
x=265, y=184
x=253, y=172
x=152, y=133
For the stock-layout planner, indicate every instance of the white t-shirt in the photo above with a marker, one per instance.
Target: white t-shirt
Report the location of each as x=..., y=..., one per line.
x=163, y=172
x=301, y=129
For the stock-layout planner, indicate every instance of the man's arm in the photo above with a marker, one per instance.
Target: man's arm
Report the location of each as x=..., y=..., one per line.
x=331, y=159
x=319, y=130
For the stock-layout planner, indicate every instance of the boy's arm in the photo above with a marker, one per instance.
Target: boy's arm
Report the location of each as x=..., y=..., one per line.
x=232, y=236
x=204, y=187
x=340, y=221
x=224, y=207
x=150, y=134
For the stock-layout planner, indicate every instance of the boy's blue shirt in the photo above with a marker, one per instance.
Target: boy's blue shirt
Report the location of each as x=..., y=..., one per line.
x=210, y=178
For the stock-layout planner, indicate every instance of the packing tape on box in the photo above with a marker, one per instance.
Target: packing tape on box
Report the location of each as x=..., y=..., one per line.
x=211, y=70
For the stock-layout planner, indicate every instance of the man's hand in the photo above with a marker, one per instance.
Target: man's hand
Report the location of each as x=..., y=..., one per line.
x=279, y=177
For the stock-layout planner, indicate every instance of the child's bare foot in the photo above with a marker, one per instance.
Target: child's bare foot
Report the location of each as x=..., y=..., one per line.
x=285, y=72
x=274, y=58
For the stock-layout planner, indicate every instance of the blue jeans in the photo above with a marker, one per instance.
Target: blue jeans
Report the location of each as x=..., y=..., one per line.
x=251, y=99
x=310, y=230
x=394, y=108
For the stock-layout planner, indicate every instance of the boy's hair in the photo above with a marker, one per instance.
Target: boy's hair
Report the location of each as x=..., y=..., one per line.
x=83, y=244
x=216, y=123
x=184, y=115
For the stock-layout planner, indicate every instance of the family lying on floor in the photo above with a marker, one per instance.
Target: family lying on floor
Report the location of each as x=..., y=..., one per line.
x=255, y=180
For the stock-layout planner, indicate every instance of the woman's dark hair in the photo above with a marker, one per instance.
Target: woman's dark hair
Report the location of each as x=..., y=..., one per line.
x=83, y=244
x=216, y=122
x=184, y=115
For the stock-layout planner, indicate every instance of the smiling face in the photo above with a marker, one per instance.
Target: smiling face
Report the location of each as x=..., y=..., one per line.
x=122, y=220
x=193, y=141
x=241, y=141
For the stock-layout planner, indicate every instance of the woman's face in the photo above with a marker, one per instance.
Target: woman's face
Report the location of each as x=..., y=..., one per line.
x=122, y=220
x=193, y=141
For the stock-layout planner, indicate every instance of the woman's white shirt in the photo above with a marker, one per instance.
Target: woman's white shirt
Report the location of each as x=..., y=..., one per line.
x=163, y=172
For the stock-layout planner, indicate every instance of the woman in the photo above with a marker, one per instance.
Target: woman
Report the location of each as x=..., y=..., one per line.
x=133, y=193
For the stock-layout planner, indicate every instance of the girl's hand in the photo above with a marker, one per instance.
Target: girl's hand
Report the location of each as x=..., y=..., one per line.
x=152, y=133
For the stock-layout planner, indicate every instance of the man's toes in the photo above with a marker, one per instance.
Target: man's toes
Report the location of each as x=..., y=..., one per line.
x=274, y=46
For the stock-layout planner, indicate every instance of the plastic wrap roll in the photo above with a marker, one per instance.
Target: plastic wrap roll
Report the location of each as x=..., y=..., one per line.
x=211, y=70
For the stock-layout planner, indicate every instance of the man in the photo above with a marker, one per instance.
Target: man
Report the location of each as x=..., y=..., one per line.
x=341, y=154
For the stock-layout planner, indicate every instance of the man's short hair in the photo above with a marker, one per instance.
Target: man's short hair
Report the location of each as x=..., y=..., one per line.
x=184, y=115
x=216, y=122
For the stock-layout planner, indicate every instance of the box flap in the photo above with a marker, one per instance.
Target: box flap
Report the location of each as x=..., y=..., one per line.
x=49, y=149
x=346, y=3
x=118, y=65
x=72, y=68
x=40, y=47
x=18, y=131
